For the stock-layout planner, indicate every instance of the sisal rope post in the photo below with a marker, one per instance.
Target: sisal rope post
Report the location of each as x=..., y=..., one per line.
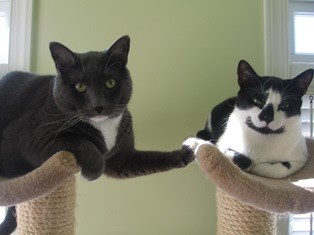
x=45, y=198
x=51, y=214
x=235, y=218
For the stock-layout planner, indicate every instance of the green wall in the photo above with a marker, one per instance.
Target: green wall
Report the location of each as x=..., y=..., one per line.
x=183, y=60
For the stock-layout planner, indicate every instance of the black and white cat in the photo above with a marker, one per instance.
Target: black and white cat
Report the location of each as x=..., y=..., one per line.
x=82, y=110
x=260, y=129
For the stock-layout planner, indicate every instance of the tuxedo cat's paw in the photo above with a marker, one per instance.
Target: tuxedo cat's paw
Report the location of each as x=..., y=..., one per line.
x=194, y=144
x=242, y=161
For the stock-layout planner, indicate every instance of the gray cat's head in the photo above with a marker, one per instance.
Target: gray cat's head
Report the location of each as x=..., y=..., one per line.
x=95, y=84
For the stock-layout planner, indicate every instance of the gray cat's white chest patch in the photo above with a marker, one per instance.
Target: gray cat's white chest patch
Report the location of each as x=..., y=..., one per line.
x=109, y=130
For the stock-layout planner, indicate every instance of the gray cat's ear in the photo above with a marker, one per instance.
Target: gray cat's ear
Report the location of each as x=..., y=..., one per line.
x=245, y=73
x=62, y=56
x=303, y=80
x=118, y=52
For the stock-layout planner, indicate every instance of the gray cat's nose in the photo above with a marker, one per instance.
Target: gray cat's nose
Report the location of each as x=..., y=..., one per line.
x=98, y=109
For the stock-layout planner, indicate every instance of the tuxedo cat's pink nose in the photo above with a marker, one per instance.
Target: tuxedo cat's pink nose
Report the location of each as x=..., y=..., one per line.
x=98, y=109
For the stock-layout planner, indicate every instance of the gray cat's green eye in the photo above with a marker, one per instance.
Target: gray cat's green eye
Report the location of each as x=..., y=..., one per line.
x=80, y=87
x=111, y=83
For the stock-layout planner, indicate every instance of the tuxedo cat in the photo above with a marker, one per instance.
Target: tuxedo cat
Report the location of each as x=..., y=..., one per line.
x=83, y=109
x=260, y=129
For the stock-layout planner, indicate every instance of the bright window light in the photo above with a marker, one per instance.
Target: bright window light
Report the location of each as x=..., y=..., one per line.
x=4, y=40
x=2, y=214
x=304, y=33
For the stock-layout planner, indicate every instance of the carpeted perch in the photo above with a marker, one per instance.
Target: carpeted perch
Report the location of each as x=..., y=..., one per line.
x=248, y=204
x=45, y=197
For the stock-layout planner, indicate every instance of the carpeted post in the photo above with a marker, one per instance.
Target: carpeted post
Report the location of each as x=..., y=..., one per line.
x=52, y=214
x=235, y=218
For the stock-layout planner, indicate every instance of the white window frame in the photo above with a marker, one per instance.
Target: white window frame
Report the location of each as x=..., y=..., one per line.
x=277, y=58
x=20, y=35
x=278, y=61
x=6, y=13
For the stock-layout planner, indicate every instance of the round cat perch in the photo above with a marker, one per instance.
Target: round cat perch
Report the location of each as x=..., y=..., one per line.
x=45, y=197
x=248, y=204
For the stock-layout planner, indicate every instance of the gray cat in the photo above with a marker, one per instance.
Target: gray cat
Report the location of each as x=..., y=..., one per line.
x=82, y=110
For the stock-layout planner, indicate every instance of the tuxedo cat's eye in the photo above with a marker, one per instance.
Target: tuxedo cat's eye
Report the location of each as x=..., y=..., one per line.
x=257, y=102
x=80, y=87
x=283, y=106
x=111, y=83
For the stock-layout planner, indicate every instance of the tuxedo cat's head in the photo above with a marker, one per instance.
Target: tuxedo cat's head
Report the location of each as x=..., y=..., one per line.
x=268, y=104
x=96, y=85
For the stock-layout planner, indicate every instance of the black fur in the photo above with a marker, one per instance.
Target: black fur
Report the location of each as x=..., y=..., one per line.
x=41, y=115
x=253, y=93
x=242, y=161
x=9, y=225
x=219, y=118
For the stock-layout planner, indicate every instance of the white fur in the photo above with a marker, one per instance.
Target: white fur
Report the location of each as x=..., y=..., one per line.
x=266, y=151
x=194, y=144
x=108, y=127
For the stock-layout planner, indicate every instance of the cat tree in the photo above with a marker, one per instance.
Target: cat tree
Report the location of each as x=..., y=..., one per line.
x=45, y=197
x=247, y=204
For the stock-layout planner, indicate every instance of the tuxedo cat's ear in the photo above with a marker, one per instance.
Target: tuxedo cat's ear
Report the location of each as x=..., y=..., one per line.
x=118, y=52
x=245, y=72
x=303, y=80
x=62, y=56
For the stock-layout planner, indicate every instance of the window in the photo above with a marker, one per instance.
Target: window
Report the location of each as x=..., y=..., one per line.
x=4, y=35
x=288, y=28
x=301, y=48
x=15, y=38
x=4, y=50
x=303, y=35
x=15, y=35
x=302, y=224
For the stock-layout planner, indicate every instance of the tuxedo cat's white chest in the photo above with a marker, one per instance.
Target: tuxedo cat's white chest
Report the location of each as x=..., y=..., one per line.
x=109, y=130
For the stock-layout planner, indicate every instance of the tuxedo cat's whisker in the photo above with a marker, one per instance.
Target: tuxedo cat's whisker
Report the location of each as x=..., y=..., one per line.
x=263, y=132
x=261, y=85
x=265, y=85
x=255, y=90
x=291, y=98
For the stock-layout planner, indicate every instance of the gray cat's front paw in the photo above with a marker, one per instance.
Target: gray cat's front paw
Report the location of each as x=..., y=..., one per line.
x=183, y=157
x=91, y=168
x=194, y=144
x=92, y=173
